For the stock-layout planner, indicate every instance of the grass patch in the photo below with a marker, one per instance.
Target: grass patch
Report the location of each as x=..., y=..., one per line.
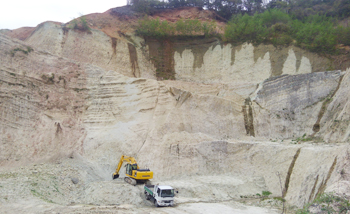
x=266, y=193
x=279, y=199
x=328, y=203
x=37, y=194
x=303, y=138
x=56, y=189
x=8, y=175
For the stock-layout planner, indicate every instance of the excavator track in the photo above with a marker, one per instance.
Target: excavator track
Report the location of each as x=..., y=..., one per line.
x=130, y=181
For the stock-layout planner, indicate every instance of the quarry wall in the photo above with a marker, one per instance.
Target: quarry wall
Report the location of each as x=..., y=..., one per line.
x=220, y=110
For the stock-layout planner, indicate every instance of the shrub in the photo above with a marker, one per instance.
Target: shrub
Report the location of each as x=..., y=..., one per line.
x=80, y=24
x=160, y=29
x=154, y=28
x=188, y=27
x=141, y=6
x=84, y=24
x=209, y=28
x=282, y=40
x=245, y=29
x=280, y=34
x=316, y=33
x=25, y=51
x=343, y=35
x=274, y=16
x=266, y=193
x=281, y=28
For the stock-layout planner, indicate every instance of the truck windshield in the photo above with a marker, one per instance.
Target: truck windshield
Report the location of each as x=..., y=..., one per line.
x=167, y=193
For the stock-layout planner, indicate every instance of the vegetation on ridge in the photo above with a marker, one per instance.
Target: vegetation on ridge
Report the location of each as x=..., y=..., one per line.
x=317, y=33
x=188, y=27
x=80, y=24
x=226, y=8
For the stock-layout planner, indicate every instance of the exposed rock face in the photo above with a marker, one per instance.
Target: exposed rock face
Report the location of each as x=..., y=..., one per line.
x=202, y=60
x=334, y=123
x=41, y=105
x=93, y=47
x=246, y=64
x=65, y=92
x=288, y=106
x=303, y=170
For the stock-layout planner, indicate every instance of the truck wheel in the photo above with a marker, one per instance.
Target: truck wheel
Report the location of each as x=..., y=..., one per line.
x=155, y=203
x=148, y=197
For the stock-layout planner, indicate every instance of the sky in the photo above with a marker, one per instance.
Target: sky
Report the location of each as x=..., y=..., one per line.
x=29, y=13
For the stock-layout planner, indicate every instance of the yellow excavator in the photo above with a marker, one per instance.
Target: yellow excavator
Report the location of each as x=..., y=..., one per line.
x=133, y=172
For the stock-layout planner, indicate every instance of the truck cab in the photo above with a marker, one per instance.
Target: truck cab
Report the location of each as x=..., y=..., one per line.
x=160, y=194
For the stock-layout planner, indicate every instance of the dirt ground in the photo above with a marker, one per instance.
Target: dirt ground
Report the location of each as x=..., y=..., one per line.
x=76, y=186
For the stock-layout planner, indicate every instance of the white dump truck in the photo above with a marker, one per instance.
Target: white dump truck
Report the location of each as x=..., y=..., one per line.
x=160, y=195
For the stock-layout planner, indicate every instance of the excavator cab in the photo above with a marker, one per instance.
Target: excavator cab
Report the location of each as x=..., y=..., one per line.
x=133, y=172
x=130, y=168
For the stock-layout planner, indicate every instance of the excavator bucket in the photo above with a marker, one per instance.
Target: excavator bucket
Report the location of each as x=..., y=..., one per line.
x=115, y=176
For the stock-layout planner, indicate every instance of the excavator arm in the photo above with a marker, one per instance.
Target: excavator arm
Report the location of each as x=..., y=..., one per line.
x=125, y=158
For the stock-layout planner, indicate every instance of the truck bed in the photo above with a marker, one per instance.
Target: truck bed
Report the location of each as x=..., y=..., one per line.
x=149, y=189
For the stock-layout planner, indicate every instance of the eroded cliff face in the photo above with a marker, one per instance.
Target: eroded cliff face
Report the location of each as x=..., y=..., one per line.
x=228, y=115
x=41, y=104
x=199, y=60
x=225, y=63
x=93, y=47
x=291, y=105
